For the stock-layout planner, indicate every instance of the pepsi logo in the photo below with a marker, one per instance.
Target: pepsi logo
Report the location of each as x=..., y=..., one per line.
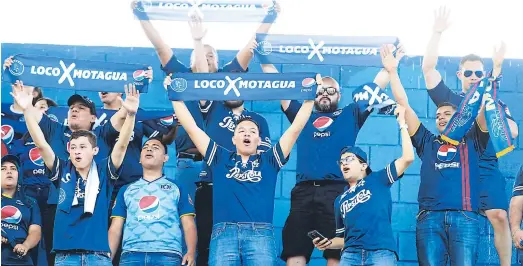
x=8, y=133
x=139, y=75
x=321, y=123
x=11, y=214
x=446, y=153
x=149, y=204
x=36, y=157
x=167, y=121
x=308, y=82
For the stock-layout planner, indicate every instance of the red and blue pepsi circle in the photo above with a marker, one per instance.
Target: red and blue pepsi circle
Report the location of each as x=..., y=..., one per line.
x=36, y=157
x=149, y=204
x=11, y=214
x=321, y=123
x=8, y=134
x=446, y=153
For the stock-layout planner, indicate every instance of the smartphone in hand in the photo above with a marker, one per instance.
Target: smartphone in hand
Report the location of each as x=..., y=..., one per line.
x=315, y=234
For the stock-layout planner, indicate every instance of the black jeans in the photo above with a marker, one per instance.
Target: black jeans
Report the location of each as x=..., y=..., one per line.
x=204, y=221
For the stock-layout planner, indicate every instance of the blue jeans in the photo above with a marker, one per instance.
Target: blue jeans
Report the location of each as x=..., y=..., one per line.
x=132, y=258
x=441, y=235
x=368, y=258
x=519, y=257
x=249, y=244
x=82, y=259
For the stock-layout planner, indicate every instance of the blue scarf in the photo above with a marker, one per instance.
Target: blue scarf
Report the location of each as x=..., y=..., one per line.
x=320, y=50
x=208, y=10
x=461, y=122
x=497, y=122
x=370, y=97
x=242, y=86
x=75, y=74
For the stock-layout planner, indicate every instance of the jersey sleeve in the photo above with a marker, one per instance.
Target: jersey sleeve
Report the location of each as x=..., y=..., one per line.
x=233, y=66
x=275, y=157
x=50, y=127
x=518, y=184
x=111, y=172
x=175, y=66
x=215, y=153
x=360, y=115
x=55, y=173
x=265, y=134
x=421, y=138
x=36, y=218
x=389, y=175
x=119, y=207
x=441, y=94
x=292, y=110
x=340, y=226
x=185, y=203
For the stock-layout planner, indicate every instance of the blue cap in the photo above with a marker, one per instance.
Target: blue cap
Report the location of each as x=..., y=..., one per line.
x=12, y=159
x=360, y=154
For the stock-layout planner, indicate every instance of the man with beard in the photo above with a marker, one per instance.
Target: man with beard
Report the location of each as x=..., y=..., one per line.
x=319, y=180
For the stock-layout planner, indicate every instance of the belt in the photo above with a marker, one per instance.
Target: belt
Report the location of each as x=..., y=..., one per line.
x=203, y=184
x=195, y=157
x=320, y=183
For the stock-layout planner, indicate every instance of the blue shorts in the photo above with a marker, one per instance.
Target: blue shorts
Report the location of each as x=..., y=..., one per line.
x=493, y=194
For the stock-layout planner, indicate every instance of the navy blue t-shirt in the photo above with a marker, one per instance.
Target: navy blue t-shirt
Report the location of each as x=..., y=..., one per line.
x=183, y=141
x=58, y=135
x=74, y=229
x=363, y=212
x=220, y=123
x=175, y=66
x=13, y=125
x=322, y=139
x=243, y=192
x=488, y=161
x=17, y=217
x=518, y=184
x=449, y=174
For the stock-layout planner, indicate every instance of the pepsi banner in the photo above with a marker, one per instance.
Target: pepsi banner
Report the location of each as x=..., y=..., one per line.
x=76, y=74
x=321, y=50
x=208, y=10
x=242, y=86
x=371, y=97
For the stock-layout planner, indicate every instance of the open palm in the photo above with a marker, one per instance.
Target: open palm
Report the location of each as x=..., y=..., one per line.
x=132, y=99
x=23, y=98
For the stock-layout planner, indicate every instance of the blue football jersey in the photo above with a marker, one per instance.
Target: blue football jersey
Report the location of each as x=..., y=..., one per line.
x=13, y=124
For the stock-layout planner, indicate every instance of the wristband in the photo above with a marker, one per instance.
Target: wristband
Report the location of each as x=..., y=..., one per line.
x=404, y=126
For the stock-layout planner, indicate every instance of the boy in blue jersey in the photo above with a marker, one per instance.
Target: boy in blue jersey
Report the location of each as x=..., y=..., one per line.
x=240, y=176
x=150, y=211
x=363, y=212
x=21, y=222
x=329, y=130
x=516, y=213
x=447, y=224
x=85, y=186
x=471, y=70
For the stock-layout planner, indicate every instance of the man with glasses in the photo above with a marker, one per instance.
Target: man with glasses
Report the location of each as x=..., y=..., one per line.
x=492, y=183
x=319, y=179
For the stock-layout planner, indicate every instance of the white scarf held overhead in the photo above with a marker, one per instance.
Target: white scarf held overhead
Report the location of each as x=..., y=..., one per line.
x=91, y=190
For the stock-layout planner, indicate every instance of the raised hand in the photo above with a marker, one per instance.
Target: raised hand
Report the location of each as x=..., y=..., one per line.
x=389, y=61
x=441, y=19
x=499, y=54
x=22, y=97
x=167, y=81
x=277, y=7
x=252, y=45
x=8, y=62
x=132, y=99
x=198, y=31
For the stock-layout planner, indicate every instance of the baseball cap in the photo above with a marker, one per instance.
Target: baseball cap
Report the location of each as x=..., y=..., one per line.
x=83, y=99
x=50, y=102
x=360, y=154
x=12, y=159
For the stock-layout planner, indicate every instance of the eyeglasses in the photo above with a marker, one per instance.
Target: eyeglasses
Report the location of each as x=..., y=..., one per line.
x=329, y=90
x=468, y=73
x=347, y=160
